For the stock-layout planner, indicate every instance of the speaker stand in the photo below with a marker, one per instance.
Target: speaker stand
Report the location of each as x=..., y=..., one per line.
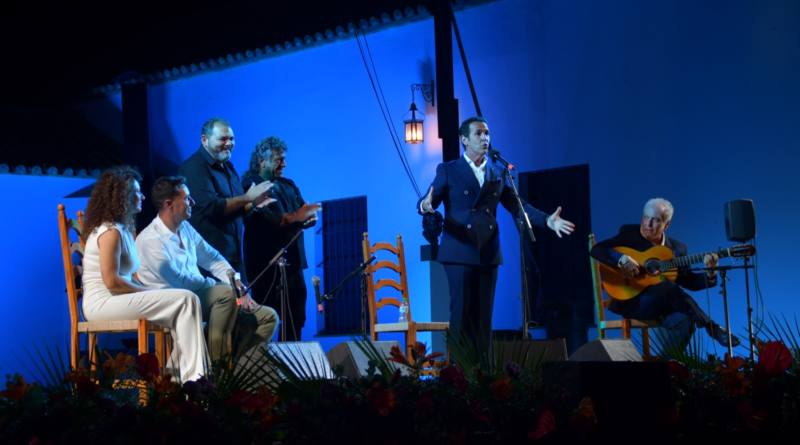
x=750, y=338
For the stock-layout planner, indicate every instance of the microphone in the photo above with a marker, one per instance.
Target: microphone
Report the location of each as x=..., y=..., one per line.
x=495, y=155
x=232, y=281
x=315, y=283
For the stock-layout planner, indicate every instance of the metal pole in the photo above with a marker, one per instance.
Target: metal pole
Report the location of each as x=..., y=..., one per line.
x=749, y=309
x=724, y=291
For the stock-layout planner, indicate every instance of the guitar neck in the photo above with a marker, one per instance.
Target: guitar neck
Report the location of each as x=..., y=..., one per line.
x=688, y=260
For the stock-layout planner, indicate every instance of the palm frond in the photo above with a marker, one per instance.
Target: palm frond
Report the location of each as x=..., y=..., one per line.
x=784, y=330
x=693, y=354
x=376, y=359
x=49, y=367
x=291, y=367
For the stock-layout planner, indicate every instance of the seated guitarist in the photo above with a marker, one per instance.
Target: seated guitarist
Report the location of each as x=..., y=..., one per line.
x=665, y=299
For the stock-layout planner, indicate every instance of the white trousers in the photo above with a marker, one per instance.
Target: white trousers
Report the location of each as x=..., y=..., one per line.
x=177, y=309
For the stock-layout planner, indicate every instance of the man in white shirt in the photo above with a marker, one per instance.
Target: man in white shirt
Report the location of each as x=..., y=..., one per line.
x=172, y=253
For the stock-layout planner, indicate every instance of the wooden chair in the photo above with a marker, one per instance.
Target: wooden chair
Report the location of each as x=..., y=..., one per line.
x=72, y=279
x=376, y=303
x=601, y=303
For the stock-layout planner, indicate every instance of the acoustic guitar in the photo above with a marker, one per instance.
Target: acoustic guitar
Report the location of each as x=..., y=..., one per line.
x=658, y=264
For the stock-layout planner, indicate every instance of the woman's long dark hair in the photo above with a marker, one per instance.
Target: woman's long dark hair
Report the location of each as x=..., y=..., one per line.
x=111, y=199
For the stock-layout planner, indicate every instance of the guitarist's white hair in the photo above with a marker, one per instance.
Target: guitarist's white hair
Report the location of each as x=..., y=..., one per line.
x=660, y=202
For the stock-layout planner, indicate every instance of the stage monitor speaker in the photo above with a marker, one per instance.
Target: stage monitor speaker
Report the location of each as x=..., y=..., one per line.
x=354, y=363
x=630, y=399
x=306, y=359
x=525, y=352
x=621, y=350
x=740, y=220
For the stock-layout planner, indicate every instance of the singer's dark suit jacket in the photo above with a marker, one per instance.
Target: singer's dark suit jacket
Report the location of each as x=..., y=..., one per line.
x=663, y=299
x=470, y=234
x=470, y=244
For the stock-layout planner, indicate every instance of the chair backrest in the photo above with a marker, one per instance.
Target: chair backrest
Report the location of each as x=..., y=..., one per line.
x=382, y=250
x=69, y=249
x=597, y=286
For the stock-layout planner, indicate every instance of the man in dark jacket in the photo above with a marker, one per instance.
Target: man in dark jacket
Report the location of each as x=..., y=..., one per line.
x=220, y=201
x=271, y=228
x=666, y=298
x=470, y=188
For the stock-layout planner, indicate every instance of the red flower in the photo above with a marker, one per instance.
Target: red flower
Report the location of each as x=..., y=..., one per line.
x=418, y=353
x=545, y=424
x=678, y=370
x=260, y=402
x=733, y=378
x=16, y=388
x=453, y=376
x=774, y=358
x=502, y=388
x=381, y=399
x=147, y=366
x=398, y=356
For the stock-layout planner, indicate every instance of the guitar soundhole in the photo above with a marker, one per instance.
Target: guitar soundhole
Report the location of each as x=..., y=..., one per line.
x=653, y=267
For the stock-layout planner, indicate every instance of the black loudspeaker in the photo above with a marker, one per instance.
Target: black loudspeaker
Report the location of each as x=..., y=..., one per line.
x=354, y=363
x=607, y=351
x=740, y=220
x=526, y=352
x=627, y=397
x=306, y=359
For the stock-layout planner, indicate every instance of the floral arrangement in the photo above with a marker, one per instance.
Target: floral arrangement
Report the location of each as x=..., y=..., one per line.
x=127, y=400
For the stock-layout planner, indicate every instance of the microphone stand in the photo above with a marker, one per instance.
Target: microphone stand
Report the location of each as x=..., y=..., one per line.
x=279, y=259
x=359, y=270
x=525, y=227
x=272, y=262
x=724, y=291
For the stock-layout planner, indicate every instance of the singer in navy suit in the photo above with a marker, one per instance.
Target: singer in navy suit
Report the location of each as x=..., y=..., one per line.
x=470, y=188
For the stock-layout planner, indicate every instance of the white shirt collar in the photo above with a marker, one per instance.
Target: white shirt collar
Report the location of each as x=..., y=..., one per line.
x=473, y=165
x=478, y=170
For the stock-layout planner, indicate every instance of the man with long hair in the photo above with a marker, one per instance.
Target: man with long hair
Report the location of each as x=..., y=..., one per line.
x=271, y=228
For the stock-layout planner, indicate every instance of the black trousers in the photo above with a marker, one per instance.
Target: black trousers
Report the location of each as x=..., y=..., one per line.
x=471, y=302
x=659, y=301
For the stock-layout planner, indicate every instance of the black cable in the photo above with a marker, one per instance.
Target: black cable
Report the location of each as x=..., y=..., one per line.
x=386, y=115
x=386, y=118
x=400, y=152
x=466, y=64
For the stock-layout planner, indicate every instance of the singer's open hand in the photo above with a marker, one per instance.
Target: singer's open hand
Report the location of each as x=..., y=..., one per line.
x=558, y=224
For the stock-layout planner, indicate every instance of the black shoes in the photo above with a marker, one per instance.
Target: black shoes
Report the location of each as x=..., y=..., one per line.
x=719, y=334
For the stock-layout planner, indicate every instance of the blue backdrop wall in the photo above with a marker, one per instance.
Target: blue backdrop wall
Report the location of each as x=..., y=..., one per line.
x=694, y=101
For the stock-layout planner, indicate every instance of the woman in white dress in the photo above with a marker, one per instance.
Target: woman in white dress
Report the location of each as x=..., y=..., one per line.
x=109, y=261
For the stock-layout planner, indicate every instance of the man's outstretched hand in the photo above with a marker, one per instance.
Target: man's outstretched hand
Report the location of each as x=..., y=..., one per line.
x=560, y=225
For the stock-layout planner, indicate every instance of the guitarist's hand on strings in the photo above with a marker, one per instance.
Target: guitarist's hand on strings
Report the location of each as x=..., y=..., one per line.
x=629, y=266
